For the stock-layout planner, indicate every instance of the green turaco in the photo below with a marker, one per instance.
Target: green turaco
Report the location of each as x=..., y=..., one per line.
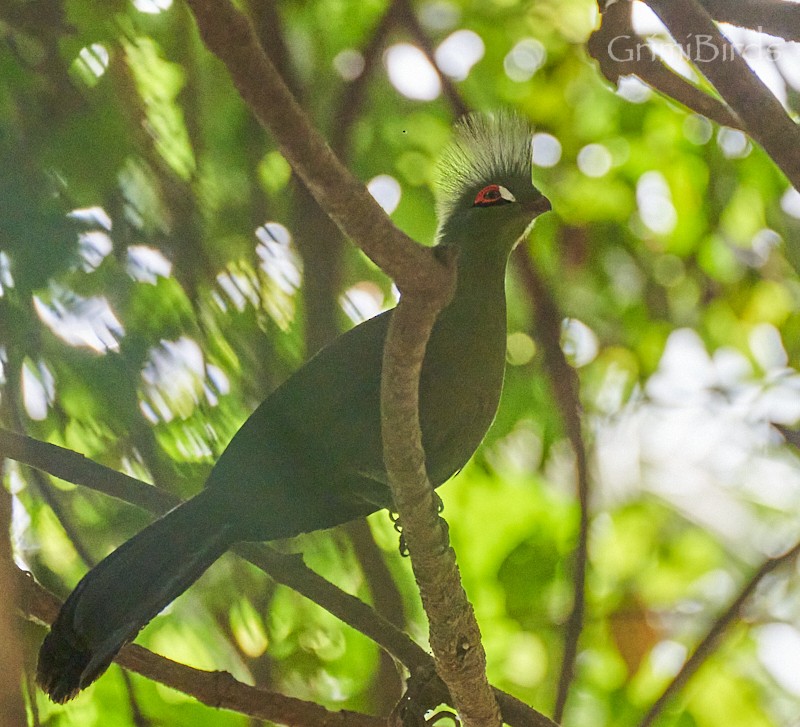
x=310, y=456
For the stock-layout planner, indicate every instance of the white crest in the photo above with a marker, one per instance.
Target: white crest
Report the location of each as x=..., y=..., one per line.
x=486, y=149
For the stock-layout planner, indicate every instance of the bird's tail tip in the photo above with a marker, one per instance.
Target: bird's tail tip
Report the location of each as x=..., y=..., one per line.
x=62, y=668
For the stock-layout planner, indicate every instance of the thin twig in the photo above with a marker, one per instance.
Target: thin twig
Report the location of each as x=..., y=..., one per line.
x=711, y=640
x=354, y=94
x=564, y=382
x=412, y=24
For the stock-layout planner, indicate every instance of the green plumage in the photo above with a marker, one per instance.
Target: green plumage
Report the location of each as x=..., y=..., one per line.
x=310, y=456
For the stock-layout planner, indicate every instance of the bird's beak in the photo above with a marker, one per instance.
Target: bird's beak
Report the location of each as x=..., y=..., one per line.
x=538, y=206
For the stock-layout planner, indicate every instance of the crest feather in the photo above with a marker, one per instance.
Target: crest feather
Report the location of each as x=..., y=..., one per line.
x=485, y=149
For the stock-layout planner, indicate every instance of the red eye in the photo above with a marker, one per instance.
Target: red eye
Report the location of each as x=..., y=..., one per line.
x=494, y=194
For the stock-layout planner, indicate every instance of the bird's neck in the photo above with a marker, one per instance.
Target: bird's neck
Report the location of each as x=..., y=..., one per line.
x=480, y=285
x=476, y=316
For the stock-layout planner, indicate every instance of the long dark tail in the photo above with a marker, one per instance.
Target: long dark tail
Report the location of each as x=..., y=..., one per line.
x=117, y=598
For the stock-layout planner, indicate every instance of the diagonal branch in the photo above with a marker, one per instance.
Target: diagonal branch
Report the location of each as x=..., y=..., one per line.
x=711, y=640
x=412, y=24
x=354, y=95
x=230, y=36
x=620, y=52
x=215, y=689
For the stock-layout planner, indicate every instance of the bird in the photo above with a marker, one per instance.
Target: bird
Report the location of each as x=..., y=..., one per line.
x=310, y=456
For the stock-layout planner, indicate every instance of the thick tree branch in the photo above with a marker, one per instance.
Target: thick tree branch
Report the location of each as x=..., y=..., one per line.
x=454, y=633
x=711, y=640
x=215, y=689
x=288, y=570
x=564, y=383
x=230, y=36
x=764, y=118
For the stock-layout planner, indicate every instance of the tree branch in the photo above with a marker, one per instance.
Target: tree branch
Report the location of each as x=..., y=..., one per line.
x=230, y=36
x=764, y=118
x=564, y=383
x=454, y=634
x=215, y=689
x=288, y=570
x=351, y=101
x=426, y=286
x=412, y=24
x=711, y=640
x=79, y=470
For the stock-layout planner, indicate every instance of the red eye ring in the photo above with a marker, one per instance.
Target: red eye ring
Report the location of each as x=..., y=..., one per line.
x=492, y=195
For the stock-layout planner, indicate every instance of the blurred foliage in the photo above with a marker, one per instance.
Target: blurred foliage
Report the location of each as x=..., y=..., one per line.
x=151, y=294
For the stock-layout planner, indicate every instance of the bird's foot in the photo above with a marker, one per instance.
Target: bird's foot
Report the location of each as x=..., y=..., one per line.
x=395, y=518
x=424, y=703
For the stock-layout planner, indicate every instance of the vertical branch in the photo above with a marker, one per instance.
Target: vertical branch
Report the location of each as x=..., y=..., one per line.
x=454, y=635
x=564, y=383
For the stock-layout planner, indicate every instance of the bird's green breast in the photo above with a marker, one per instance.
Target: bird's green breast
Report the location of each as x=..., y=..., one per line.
x=463, y=374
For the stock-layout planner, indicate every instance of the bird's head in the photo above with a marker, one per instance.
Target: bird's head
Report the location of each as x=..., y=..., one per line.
x=486, y=196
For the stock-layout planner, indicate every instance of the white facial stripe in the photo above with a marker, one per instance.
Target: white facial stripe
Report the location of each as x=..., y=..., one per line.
x=505, y=194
